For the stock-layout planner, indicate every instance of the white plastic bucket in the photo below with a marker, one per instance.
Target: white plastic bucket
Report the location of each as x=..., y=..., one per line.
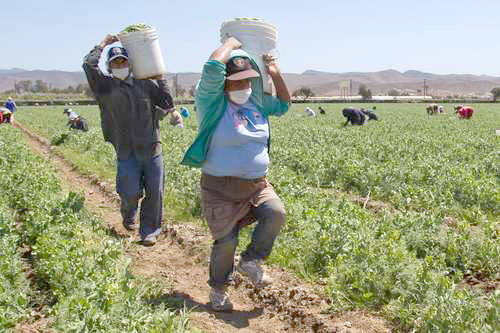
x=257, y=38
x=143, y=48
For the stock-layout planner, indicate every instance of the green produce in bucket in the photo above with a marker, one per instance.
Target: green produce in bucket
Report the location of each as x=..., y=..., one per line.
x=135, y=28
x=143, y=48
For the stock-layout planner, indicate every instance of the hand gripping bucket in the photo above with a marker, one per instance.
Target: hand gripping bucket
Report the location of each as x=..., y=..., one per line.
x=143, y=48
x=257, y=38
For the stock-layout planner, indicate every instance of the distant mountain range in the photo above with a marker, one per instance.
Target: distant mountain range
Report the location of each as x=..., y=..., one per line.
x=321, y=83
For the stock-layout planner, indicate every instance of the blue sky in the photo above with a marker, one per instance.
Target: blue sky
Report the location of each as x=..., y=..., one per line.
x=336, y=36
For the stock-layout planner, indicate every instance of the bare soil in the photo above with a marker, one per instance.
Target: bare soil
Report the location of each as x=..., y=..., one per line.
x=179, y=260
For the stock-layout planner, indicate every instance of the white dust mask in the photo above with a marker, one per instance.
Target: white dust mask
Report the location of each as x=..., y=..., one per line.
x=120, y=73
x=240, y=96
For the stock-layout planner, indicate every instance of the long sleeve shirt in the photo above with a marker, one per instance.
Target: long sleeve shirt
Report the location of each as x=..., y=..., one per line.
x=11, y=106
x=130, y=109
x=211, y=103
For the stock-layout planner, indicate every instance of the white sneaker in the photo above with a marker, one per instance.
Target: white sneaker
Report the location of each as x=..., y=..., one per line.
x=254, y=272
x=219, y=301
x=149, y=240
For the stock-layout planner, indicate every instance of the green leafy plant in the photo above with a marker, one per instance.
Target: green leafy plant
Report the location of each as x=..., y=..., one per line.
x=136, y=27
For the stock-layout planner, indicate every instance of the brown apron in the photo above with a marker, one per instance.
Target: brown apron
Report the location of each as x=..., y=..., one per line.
x=228, y=201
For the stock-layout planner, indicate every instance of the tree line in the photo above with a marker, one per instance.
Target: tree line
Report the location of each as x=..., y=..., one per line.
x=42, y=87
x=365, y=93
x=306, y=92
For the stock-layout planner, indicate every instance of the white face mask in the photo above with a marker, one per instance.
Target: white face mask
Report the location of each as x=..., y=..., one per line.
x=120, y=73
x=240, y=96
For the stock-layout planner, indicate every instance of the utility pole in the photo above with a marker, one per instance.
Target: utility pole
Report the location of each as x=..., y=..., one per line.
x=425, y=88
x=175, y=85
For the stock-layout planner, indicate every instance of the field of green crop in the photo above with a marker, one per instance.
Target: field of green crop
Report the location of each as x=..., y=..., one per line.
x=440, y=175
x=80, y=279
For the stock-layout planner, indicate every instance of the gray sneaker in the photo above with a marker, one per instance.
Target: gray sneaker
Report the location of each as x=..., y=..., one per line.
x=219, y=301
x=149, y=240
x=254, y=272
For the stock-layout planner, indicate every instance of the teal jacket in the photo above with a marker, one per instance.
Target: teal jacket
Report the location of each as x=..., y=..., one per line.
x=211, y=103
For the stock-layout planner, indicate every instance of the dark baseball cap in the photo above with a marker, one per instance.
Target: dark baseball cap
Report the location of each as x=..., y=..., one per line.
x=117, y=52
x=240, y=68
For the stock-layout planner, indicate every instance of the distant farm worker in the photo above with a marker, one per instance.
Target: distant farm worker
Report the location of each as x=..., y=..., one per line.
x=5, y=115
x=309, y=112
x=131, y=110
x=176, y=119
x=432, y=109
x=370, y=114
x=11, y=105
x=440, y=109
x=184, y=112
x=75, y=121
x=232, y=148
x=321, y=110
x=354, y=116
x=464, y=112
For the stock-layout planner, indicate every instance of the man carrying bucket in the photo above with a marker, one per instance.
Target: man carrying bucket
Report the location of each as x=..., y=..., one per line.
x=232, y=150
x=130, y=113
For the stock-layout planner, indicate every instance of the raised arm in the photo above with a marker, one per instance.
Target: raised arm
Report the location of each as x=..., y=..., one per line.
x=211, y=85
x=223, y=52
x=276, y=105
x=95, y=77
x=275, y=74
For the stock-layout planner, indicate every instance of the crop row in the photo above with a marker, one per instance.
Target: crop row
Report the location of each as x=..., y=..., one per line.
x=84, y=270
x=407, y=265
x=14, y=286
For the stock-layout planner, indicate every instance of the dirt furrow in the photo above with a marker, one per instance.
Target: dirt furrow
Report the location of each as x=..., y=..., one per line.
x=180, y=261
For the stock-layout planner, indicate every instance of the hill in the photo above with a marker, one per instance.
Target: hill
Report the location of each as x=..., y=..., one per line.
x=322, y=83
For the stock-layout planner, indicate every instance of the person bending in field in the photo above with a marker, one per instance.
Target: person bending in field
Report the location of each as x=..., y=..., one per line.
x=11, y=105
x=309, y=112
x=5, y=115
x=232, y=149
x=75, y=121
x=370, y=114
x=353, y=116
x=184, y=112
x=464, y=112
x=321, y=110
x=131, y=110
x=433, y=109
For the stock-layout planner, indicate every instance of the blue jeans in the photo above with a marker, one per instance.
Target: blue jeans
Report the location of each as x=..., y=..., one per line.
x=135, y=179
x=270, y=217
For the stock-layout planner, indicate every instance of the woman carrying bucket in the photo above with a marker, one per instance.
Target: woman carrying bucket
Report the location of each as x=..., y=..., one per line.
x=232, y=150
